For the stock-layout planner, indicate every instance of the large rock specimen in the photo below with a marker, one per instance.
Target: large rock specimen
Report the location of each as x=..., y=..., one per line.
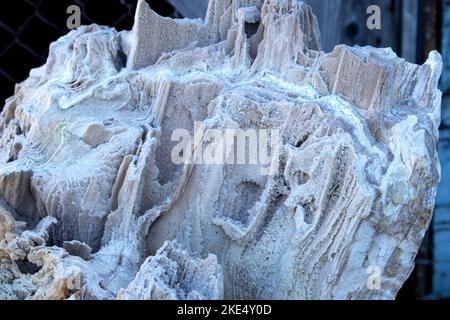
x=94, y=207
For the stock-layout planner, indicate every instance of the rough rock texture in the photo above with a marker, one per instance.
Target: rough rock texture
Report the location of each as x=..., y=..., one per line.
x=172, y=274
x=92, y=207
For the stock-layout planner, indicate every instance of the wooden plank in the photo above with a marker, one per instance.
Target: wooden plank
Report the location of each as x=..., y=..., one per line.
x=445, y=46
x=328, y=13
x=441, y=221
x=410, y=15
x=430, y=27
x=190, y=8
x=344, y=21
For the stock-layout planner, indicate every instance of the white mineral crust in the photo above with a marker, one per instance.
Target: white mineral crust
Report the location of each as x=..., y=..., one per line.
x=93, y=207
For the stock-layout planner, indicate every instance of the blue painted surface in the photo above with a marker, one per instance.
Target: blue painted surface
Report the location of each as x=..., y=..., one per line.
x=445, y=45
x=441, y=222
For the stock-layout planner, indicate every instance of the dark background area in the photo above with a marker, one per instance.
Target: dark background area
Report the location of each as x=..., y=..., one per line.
x=27, y=27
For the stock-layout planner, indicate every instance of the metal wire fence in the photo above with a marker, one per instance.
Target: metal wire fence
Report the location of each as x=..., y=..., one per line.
x=27, y=27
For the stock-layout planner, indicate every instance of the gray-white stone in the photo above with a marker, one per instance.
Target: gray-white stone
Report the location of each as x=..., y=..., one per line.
x=86, y=143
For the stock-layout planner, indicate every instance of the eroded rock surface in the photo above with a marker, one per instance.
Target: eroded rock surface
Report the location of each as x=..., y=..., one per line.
x=93, y=207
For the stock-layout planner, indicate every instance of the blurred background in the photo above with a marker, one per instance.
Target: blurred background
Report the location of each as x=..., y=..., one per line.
x=411, y=27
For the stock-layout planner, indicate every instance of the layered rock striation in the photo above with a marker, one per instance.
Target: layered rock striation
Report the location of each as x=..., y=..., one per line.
x=94, y=207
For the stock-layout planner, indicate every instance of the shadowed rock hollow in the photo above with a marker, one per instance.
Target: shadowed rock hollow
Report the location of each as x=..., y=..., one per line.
x=93, y=207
